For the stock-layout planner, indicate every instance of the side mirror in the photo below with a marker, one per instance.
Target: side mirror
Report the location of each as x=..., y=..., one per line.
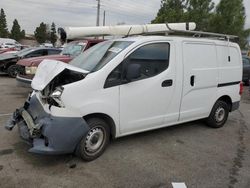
x=133, y=71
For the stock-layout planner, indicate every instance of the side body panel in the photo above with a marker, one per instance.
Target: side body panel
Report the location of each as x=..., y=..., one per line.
x=146, y=105
x=230, y=71
x=200, y=79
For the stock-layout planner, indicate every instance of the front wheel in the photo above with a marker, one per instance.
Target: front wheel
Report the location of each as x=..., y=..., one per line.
x=94, y=143
x=218, y=115
x=13, y=70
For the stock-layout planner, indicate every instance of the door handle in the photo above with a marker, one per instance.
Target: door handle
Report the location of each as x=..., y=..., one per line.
x=167, y=83
x=192, y=80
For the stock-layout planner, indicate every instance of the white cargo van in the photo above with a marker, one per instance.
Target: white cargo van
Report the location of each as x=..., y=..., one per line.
x=126, y=86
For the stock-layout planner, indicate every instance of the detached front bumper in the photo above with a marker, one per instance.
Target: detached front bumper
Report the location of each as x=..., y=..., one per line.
x=47, y=134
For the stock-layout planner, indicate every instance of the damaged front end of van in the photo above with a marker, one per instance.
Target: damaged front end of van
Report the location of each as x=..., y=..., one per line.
x=47, y=133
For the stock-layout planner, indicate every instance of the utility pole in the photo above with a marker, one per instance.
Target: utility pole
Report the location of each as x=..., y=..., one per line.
x=104, y=17
x=98, y=12
x=104, y=21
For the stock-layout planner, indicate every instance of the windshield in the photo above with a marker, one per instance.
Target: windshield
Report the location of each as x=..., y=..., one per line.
x=73, y=49
x=98, y=56
x=23, y=52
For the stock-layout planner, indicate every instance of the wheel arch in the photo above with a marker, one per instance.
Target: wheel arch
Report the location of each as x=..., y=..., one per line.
x=9, y=63
x=226, y=99
x=107, y=119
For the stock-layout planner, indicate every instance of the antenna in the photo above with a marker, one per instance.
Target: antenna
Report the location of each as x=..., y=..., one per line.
x=128, y=32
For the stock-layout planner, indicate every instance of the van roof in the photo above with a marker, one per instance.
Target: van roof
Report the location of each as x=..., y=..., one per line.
x=174, y=37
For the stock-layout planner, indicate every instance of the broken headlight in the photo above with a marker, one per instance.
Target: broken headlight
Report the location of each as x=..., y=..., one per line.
x=56, y=96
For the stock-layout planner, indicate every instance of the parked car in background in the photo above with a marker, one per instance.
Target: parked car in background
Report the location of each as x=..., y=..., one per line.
x=245, y=53
x=6, y=43
x=11, y=51
x=7, y=50
x=70, y=51
x=48, y=45
x=246, y=69
x=8, y=61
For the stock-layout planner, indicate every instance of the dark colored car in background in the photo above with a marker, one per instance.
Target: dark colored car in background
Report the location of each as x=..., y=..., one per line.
x=8, y=61
x=246, y=70
x=70, y=51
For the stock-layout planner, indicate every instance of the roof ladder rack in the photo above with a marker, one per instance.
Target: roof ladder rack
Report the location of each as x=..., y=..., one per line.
x=202, y=33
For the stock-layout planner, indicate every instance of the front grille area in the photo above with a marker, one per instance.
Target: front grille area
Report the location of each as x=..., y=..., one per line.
x=21, y=70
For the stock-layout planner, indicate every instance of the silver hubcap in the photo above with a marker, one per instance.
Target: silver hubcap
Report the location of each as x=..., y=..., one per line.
x=220, y=114
x=94, y=140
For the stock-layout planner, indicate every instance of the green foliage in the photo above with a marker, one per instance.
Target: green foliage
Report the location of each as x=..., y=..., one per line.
x=200, y=12
x=16, y=32
x=45, y=33
x=170, y=11
x=23, y=33
x=41, y=33
x=53, y=36
x=4, y=33
x=229, y=18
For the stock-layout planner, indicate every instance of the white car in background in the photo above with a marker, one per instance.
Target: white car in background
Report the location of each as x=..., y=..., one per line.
x=6, y=43
x=47, y=45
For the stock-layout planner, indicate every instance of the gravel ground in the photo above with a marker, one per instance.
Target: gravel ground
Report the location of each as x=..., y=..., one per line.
x=192, y=153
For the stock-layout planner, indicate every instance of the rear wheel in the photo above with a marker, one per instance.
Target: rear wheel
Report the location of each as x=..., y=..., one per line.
x=13, y=70
x=218, y=115
x=94, y=143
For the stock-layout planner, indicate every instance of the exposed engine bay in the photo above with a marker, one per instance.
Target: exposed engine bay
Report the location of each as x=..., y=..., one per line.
x=52, y=92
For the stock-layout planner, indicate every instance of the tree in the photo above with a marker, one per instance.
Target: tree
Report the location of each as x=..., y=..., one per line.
x=41, y=33
x=230, y=18
x=53, y=36
x=170, y=11
x=23, y=33
x=16, y=32
x=3, y=25
x=200, y=12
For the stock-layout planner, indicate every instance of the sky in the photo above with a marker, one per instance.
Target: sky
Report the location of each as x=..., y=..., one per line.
x=30, y=13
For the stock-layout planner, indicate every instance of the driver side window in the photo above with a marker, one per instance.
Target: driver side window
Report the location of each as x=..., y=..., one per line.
x=153, y=59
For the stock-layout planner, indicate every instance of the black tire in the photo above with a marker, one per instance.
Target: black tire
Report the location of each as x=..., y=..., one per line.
x=97, y=129
x=218, y=115
x=13, y=70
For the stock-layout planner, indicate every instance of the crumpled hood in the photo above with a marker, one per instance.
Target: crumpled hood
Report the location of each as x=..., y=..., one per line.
x=48, y=70
x=35, y=61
